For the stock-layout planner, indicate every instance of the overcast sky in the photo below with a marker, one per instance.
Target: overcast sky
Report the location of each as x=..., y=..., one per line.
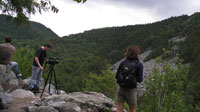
x=74, y=18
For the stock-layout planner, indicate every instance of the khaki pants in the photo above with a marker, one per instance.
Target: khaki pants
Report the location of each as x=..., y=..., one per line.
x=128, y=95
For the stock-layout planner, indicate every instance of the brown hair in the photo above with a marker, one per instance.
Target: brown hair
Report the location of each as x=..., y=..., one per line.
x=47, y=45
x=8, y=39
x=132, y=52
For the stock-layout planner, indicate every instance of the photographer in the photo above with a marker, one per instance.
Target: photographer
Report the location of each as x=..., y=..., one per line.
x=37, y=67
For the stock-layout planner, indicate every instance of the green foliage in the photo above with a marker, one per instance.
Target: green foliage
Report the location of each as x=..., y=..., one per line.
x=192, y=87
x=23, y=33
x=165, y=88
x=104, y=83
x=24, y=58
x=24, y=8
x=111, y=43
x=79, y=1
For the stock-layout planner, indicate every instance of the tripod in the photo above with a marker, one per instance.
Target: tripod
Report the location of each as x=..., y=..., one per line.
x=50, y=74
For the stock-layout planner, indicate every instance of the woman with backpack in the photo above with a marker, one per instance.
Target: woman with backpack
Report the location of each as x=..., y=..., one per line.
x=129, y=72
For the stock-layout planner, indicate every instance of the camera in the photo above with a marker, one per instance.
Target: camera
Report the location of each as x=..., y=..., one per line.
x=52, y=61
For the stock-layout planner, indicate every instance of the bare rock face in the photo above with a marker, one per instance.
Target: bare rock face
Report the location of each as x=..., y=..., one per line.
x=42, y=109
x=5, y=98
x=20, y=93
x=13, y=110
x=7, y=78
x=1, y=89
x=77, y=102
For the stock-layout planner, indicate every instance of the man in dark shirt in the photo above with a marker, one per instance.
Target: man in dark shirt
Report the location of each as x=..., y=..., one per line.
x=37, y=67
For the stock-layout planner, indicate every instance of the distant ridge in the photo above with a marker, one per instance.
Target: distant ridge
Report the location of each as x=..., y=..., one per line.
x=31, y=31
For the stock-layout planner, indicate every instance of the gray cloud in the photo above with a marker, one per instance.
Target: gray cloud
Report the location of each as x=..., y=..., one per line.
x=162, y=8
x=149, y=3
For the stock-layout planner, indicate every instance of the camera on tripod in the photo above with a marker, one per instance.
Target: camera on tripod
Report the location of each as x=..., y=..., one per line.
x=52, y=61
x=51, y=73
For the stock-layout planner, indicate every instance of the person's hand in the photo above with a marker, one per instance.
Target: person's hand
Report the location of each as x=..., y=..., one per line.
x=41, y=68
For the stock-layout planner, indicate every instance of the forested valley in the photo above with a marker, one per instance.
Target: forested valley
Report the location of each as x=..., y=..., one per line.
x=85, y=58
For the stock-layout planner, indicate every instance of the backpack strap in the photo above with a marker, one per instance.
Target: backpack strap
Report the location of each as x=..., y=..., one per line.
x=133, y=62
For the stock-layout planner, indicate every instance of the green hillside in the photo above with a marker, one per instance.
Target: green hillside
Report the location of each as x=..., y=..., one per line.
x=111, y=43
x=85, y=57
x=22, y=33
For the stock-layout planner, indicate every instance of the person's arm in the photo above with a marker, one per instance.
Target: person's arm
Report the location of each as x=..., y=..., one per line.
x=139, y=72
x=38, y=63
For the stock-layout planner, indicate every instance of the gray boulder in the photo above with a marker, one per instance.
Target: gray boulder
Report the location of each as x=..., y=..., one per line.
x=8, y=79
x=66, y=106
x=6, y=98
x=1, y=89
x=20, y=93
x=13, y=110
x=41, y=109
x=6, y=75
x=77, y=101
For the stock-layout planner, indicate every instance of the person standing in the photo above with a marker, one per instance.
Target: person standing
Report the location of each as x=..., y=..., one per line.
x=37, y=67
x=6, y=53
x=124, y=92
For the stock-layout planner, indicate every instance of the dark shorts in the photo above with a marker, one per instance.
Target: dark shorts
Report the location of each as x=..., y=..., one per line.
x=128, y=95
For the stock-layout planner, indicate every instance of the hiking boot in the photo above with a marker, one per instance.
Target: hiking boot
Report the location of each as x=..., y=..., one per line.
x=34, y=90
x=19, y=75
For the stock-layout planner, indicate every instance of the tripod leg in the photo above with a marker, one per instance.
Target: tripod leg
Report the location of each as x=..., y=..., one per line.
x=51, y=73
x=45, y=84
x=54, y=73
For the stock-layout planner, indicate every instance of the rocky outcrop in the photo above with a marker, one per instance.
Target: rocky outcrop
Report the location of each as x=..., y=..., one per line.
x=177, y=39
x=6, y=75
x=72, y=102
x=15, y=97
x=75, y=102
x=21, y=93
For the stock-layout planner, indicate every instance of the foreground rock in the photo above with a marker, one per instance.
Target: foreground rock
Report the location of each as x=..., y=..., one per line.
x=74, y=102
x=15, y=97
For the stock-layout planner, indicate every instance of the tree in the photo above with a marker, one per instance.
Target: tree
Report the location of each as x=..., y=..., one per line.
x=165, y=88
x=21, y=9
x=104, y=83
x=24, y=57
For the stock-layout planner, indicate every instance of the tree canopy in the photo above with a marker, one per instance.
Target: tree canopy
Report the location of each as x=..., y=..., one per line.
x=21, y=9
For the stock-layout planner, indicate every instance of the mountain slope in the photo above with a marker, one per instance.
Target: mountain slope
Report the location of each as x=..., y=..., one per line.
x=32, y=31
x=111, y=43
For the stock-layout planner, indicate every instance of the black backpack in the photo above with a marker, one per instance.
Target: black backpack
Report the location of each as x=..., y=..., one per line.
x=126, y=78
